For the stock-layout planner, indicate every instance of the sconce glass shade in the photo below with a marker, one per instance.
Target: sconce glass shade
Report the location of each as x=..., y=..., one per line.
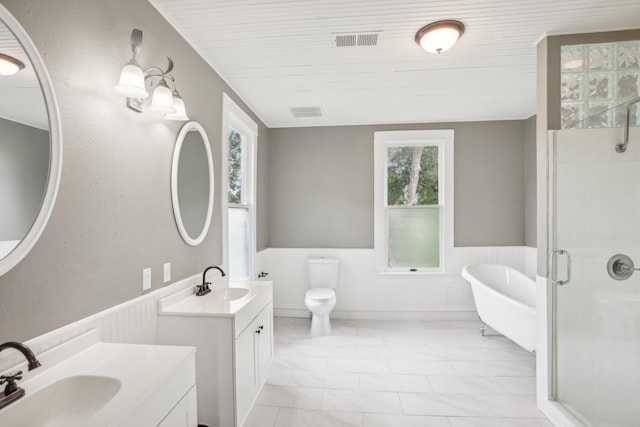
x=9, y=65
x=440, y=36
x=162, y=99
x=181, y=111
x=131, y=83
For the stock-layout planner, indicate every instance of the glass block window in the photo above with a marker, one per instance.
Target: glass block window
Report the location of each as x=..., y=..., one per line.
x=595, y=78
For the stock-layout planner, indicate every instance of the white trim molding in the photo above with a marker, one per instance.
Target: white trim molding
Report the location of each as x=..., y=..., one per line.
x=234, y=117
x=443, y=139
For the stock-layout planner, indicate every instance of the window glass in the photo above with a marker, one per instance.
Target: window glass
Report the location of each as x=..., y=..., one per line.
x=414, y=237
x=239, y=223
x=412, y=175
x=236, y=167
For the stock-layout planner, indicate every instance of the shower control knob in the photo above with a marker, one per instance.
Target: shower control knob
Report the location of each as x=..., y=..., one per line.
x=620, y=267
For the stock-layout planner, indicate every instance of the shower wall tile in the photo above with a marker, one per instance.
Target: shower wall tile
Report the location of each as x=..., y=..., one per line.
x=597, y=211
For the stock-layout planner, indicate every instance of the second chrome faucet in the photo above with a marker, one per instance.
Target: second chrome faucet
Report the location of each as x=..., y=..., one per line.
x=204, y=288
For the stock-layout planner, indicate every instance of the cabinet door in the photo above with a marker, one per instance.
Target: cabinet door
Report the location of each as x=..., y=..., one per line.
x=184, y=414
x=264, y=350
x=246, y=375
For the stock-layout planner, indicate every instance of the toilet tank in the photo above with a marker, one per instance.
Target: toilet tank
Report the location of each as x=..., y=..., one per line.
x=322, y=272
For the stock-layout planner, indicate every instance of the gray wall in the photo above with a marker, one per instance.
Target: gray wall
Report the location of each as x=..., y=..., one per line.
x=24, y=162
x=321, y=184
x=262, y=188
x=113, y=216
x=530, y=182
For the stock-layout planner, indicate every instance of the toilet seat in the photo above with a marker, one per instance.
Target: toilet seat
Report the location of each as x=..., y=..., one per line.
x=320, y=294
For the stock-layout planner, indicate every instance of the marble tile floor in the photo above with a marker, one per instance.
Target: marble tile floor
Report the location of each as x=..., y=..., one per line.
x=372, y=373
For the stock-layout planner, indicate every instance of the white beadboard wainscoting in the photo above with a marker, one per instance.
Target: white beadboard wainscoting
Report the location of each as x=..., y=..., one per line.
x=134, y=321
x=364, y=294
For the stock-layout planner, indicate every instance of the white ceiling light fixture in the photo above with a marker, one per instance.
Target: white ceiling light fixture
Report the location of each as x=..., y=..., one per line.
x=133, y=82
x=439, y=36
x=9, y=65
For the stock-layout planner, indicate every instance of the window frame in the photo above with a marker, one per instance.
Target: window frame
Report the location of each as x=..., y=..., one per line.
x=235, y=118
x=443, y=139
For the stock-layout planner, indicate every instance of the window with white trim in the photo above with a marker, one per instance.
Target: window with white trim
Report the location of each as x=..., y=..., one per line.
x=413, y=200
x=240, y=135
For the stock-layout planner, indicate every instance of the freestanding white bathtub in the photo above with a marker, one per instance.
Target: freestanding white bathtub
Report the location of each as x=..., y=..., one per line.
x=506, y=300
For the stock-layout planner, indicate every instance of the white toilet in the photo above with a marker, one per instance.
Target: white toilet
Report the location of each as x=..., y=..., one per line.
x=322, y=274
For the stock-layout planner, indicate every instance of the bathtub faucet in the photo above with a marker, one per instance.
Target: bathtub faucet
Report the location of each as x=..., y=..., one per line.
x=204, y=288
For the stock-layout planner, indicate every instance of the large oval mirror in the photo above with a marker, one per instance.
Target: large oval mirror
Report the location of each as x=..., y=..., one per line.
x=192, y=183
x=30, y=143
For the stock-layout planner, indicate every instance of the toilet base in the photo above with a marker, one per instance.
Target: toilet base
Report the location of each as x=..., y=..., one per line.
x=320, y=325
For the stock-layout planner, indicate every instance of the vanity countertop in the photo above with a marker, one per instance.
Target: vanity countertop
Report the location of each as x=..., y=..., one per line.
x=140, y=378
x=187, y=303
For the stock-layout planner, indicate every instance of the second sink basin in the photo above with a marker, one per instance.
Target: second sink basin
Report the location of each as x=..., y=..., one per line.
x=71, y=401
x=227, y=294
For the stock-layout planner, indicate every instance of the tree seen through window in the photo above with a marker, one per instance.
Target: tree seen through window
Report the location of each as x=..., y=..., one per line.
x=412, y=176
x=235, y=167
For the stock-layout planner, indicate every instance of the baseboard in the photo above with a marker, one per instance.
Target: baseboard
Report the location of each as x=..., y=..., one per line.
x=382, y=315
x=291, y=312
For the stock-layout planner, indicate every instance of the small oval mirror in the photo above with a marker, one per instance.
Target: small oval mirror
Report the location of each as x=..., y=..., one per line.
x=192, y=183
x=30, y=145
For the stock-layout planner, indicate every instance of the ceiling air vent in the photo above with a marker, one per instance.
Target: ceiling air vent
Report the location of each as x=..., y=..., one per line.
x=346, y=40
x=351, y=40
x=303, y=112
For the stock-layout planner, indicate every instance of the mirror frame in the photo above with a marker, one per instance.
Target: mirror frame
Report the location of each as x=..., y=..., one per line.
x=55, y=139
x=190, y=126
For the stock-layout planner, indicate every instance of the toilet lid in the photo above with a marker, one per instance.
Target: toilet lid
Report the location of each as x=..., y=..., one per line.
x=320, y=293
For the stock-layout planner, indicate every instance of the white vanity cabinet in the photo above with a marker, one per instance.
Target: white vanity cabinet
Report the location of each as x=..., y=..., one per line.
x=234, y=341
x=87, y=383
x=184, y=414
x=253, y=350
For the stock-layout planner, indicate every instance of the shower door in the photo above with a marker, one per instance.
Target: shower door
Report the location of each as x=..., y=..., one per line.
x=596, y=215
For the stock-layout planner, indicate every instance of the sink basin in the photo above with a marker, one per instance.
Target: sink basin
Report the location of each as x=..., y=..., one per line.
x=71, y=401
x=227, y=294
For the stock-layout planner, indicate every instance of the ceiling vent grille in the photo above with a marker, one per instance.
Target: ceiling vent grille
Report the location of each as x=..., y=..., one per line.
x=352, y=40
x=346, y=40
x=304, y=112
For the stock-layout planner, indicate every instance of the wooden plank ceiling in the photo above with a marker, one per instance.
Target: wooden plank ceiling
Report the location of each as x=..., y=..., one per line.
x=281, y=54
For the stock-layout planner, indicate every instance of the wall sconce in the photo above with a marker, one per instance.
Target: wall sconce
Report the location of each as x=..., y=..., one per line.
x=439, y=36
x=133, y=82
x=9, y=65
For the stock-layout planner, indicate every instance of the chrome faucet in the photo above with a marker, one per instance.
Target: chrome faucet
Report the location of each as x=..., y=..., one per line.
x=11, y=391
x=204, y=289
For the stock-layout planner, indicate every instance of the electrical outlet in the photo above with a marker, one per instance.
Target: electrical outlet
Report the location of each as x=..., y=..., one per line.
x=146, y=279
x=167, y=272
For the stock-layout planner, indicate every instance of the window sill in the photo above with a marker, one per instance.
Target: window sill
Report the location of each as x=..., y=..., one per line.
x=407, y=274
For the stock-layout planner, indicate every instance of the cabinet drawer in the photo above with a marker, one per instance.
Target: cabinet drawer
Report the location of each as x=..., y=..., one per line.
x=245, y=316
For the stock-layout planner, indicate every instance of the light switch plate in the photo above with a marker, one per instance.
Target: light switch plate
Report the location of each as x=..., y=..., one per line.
x=146, y=279
x=167, y=272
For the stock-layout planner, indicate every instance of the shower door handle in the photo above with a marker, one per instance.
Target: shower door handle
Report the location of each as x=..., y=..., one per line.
x=555, y=266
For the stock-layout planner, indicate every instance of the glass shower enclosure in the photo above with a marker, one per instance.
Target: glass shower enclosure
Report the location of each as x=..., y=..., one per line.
x=595, y=255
